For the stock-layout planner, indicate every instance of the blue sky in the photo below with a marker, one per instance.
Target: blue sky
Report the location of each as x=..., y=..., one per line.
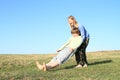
x=40, y=26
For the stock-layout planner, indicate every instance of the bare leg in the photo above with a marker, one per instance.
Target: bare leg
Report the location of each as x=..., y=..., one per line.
x=47, y=66
x=39, y=65
x=54, y=62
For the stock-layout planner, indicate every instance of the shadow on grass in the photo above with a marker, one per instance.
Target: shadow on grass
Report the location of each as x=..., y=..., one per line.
x=94, y=63
x=69, y=67
x=100, y=62
x=90, y=64
x=61, y=68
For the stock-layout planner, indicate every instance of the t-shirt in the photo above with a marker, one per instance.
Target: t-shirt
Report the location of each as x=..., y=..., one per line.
x=83, y=31
x=73, y=42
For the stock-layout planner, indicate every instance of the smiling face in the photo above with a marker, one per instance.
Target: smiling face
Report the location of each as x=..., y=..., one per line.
x=71, y=22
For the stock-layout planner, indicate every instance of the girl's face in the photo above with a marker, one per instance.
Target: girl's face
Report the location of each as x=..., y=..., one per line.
x=71, y=22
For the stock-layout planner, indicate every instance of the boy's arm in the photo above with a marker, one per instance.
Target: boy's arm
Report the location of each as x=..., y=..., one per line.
x=63, y=46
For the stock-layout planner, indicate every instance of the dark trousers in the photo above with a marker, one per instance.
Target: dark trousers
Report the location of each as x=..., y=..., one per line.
x=80, y=54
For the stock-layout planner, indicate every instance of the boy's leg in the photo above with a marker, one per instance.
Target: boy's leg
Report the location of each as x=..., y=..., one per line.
x=51, y=65
x=48, y=66
x=41, y=67
x=63, y=56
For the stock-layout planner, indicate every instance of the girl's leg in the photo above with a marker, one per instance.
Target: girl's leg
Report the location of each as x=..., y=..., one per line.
x=77, y=56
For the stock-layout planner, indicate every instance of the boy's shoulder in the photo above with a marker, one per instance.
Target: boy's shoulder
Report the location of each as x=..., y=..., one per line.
x=75, y=37
x=79, y=37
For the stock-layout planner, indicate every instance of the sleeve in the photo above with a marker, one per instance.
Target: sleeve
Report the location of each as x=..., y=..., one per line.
x=63, y=46
x=82, y=31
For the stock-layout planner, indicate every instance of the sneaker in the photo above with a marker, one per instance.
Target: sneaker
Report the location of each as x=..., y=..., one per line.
x=79, y=66
x=85, y=65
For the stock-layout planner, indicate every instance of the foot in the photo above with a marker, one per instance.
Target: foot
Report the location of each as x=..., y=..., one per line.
x=79, y=66
x=40, y=67
x=85, y=65
x=44, y=67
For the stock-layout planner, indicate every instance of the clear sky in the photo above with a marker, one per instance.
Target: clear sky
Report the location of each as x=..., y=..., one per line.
x=40, y=26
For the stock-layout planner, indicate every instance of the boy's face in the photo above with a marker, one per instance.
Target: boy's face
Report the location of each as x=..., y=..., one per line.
x=75, y=35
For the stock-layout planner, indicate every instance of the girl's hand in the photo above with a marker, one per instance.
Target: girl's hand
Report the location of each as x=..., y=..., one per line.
x=58, y=50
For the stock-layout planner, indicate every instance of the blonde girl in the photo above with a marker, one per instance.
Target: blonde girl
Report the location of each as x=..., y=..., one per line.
x=80, y=54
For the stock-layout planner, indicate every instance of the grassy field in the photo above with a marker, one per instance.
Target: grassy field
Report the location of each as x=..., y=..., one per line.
x=104, y=65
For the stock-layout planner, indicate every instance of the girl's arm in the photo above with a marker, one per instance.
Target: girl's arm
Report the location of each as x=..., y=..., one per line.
x=63, y=46
x=82, y=31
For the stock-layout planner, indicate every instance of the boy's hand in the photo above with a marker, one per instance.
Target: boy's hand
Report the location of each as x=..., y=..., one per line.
x=58, y=50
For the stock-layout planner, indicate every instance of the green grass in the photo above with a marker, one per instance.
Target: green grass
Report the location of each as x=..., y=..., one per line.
x=103, y=65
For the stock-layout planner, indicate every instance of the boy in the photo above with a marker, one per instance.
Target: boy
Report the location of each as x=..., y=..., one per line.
x=65, y=52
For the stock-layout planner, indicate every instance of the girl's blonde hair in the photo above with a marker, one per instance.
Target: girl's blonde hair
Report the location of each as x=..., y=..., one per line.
x=74, y=21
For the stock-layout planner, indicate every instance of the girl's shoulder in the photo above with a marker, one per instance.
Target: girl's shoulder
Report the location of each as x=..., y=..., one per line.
x=80, y=25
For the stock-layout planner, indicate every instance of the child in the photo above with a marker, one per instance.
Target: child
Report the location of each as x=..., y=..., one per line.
x=65, y=52
x=80, y=53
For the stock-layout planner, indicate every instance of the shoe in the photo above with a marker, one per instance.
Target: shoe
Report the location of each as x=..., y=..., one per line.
x=85, y=65
x=79, y=66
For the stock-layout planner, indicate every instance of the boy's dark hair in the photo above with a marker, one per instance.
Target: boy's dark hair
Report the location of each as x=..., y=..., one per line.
x=75, y=30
